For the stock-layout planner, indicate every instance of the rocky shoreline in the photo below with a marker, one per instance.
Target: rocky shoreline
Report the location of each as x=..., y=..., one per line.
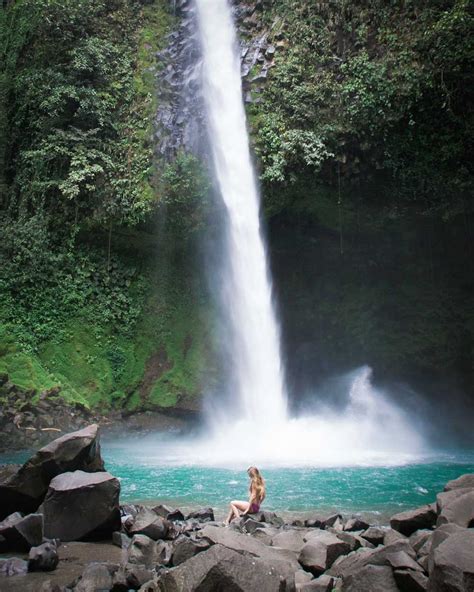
x=29, y=419
x=63, y=529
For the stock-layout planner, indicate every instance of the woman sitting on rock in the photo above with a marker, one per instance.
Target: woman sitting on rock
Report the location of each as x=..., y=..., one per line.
x=256, y=497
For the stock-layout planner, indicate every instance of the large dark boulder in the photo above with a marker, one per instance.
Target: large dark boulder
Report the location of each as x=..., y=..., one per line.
x=220, y=568
x=453, y=564
x=21, y=532
x=23, y=489
x=412, y=520
x=81, y=505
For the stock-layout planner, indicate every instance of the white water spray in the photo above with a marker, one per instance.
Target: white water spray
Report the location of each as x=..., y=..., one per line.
x=247, y=287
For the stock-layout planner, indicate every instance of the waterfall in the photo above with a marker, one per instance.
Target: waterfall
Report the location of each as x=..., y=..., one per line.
x=247, y=290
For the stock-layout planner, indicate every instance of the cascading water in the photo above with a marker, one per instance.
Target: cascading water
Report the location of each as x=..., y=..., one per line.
x=247, y=288
x=256, y=427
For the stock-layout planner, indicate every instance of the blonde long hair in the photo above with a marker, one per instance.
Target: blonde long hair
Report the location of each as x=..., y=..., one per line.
x=257, y=483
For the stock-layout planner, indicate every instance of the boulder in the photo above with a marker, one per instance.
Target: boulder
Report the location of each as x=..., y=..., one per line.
x=356, y=524
x=142, y=551
x=96, y=576
x=374, y=535
x=81, y=505
x=439, y=536
x=459, y=510
x=132, y=576
x=453, y=564
x=202, y=515
x=250, y=526
x=150, y=524
x=412, y=520
x=391, y=536
x=321, y=551
x=371, y=578
x=23, y=489
x=21, y=532
x=347, y=564
x=268, y=518
x=43, y=558
x=323, y=521
x=120, y=540
x=419, y=538
x=220, y=568
x=246, y=544
x=462, y=482
x=168, y=513
x=411, y=581
x=13, y=567
x=185, y=548
x=289, y=539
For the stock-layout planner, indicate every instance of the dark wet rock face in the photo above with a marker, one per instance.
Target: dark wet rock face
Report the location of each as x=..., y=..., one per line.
x=24, y=489
x=81, y=505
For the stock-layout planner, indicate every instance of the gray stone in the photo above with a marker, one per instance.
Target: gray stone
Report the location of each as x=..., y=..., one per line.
x=69, y=494
x=220, y=568
x=320, y=552
x=142, y=551
x=374, y=535
x=289, y=539
x=350, y=563
x=439, y=536
x=24, y=489
x=121, y=540
x=21, y=532
x=459, y=510
x=247, y=544
x=13, y=567
x=43, y=558
x=356, y=524
x=391, y=536
x=185, y=548
x=96, y=577
x=150, y=524
x=411, y=581
x=453, y=564
x=202, y=515
x=419, y=538
x=464, y=481
x=371, y=578
x=412, y=520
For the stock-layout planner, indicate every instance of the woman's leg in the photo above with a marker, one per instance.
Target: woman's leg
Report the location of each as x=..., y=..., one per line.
x=236, y=506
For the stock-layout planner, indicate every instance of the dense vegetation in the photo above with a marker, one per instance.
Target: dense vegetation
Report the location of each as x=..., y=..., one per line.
x=364, y=139
x=82, y=303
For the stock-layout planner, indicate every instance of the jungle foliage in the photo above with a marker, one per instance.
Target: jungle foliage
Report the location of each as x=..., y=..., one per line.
x=375, y=96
